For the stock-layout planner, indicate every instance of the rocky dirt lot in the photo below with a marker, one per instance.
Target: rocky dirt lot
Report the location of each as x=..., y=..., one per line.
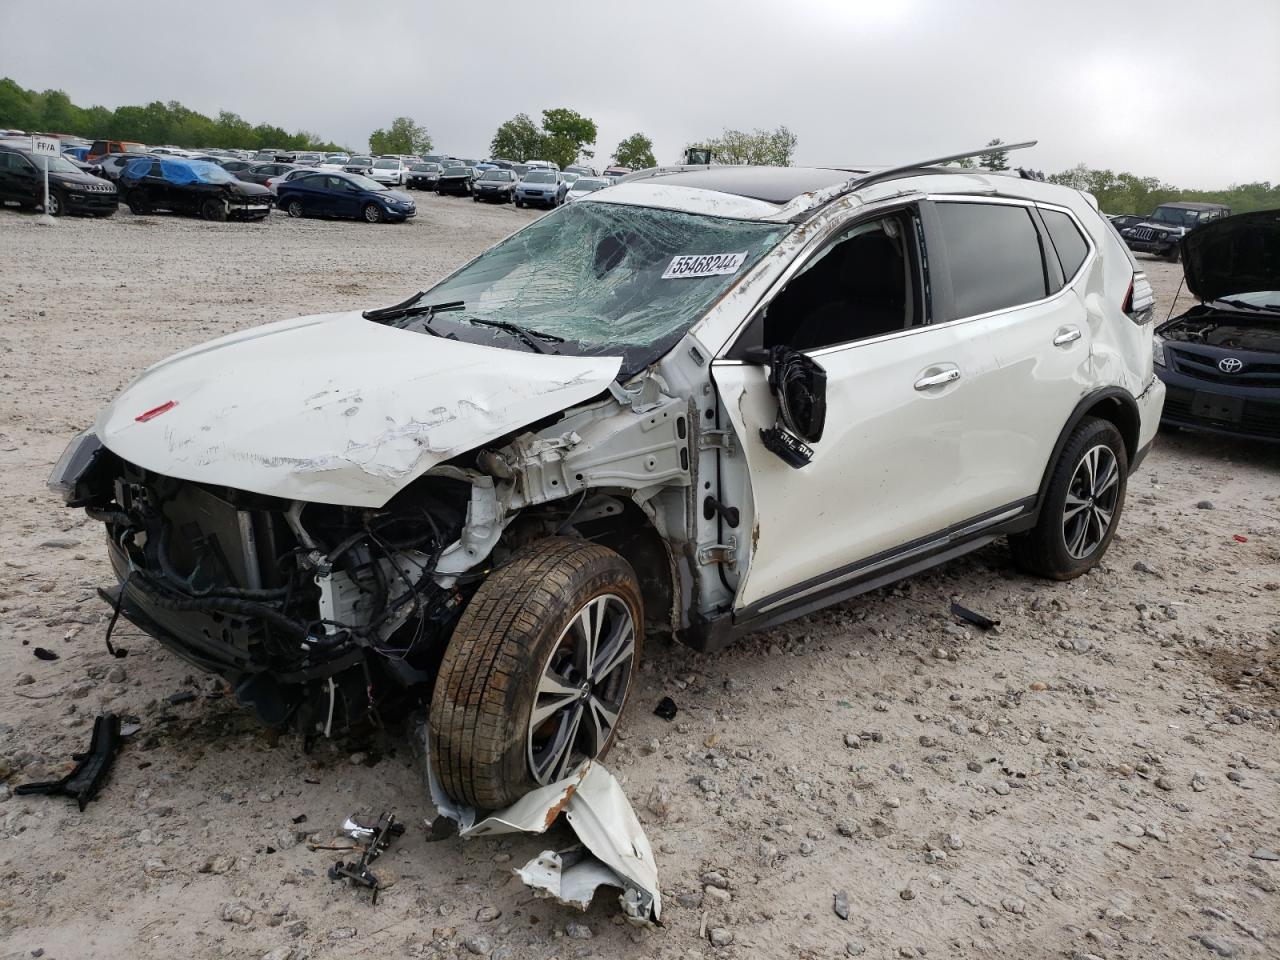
x=1096, y=777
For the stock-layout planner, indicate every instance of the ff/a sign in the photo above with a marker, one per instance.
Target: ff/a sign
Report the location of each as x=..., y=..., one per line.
x=45, y=146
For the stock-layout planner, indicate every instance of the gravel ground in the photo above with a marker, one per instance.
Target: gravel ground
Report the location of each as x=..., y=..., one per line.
x=1096, y=777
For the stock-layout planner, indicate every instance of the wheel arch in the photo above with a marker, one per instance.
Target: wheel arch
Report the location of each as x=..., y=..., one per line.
x=1113, y=404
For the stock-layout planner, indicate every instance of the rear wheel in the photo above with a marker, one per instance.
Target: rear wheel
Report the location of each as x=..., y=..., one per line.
x=537, y=672
x=1082, y=505
x=372, y=213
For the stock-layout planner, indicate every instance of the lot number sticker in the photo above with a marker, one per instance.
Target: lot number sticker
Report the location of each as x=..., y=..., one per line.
x=705, y=265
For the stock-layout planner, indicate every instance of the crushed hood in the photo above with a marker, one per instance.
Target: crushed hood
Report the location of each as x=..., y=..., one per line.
x=1239, y=254
x=335, y=408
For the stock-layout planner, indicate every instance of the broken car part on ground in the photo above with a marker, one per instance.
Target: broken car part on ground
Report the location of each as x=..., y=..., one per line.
x=694, y=404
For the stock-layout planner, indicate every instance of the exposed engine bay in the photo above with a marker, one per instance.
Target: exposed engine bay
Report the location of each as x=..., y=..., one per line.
x=1222, y=329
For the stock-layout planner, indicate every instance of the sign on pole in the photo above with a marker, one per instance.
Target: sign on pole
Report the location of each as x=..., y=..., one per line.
x=46, y=147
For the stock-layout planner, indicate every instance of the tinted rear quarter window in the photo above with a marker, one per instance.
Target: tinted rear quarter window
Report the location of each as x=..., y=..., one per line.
x=994, y=254
x=1071, y=247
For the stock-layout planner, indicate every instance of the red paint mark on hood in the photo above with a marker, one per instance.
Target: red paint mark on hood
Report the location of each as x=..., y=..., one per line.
x=156, y=411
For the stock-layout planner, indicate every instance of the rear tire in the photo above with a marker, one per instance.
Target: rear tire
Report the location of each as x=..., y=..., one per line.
x=513, y=706
x=1082, y=505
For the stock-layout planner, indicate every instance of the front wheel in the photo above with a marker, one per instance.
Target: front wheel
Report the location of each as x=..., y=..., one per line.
x=1173, y=255
x=294, y=209
x=137, y=202
x=372, y=213
x=537, y=673
x=214, y=210
x=57, y=204
x=1082, y=505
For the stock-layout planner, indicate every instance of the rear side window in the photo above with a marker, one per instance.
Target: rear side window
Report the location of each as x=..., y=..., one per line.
x=1067, y=241
x=994, y=254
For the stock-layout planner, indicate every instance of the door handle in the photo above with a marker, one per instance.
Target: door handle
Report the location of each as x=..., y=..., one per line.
x=1066, y=335
x=950, y=375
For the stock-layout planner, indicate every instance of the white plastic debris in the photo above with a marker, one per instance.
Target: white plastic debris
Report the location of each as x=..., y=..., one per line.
x=615, y=851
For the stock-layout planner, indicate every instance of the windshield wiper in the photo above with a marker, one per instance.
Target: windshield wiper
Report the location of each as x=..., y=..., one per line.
x=534, y=338
x=411, y=308
x=1242, y=305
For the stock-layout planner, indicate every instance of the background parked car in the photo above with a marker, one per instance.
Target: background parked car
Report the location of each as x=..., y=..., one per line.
x=613, y=173
x=495, y=184
x=359, y=164
x=455, y=179
x=1122, y=220
x=423, y=176
x=582, y=171
x=545, y=188
x=541, y=165
x=1159, y=233
x=192, y=187
x=1220, y=360
x=583, y=186
x=335, y=161
x=102, y=148
x=388, y=170
x=322, y=194
x=71, y=190
x=112, y=164
x=264, y=174
x=309, y=159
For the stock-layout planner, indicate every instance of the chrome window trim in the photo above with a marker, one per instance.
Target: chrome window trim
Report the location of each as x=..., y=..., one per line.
x=888, y=205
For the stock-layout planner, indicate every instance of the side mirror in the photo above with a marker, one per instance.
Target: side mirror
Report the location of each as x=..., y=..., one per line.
x=799, y=384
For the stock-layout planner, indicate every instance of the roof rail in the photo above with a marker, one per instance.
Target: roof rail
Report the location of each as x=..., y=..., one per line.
x=892, y=173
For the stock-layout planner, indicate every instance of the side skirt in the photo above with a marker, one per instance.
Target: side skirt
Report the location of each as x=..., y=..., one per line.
x=862, y=576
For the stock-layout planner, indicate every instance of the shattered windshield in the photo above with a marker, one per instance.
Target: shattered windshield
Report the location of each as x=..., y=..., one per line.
x=608, y=278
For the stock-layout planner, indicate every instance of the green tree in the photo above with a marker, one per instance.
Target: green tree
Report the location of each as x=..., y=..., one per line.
x=635, y=152
x=518, y=139
x=774, y=148
x=567, y=135
x=403, y=136
x=996, y=159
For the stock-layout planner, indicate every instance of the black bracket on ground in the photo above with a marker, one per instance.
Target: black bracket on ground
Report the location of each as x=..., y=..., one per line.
x=91, y=768
x=378, y=838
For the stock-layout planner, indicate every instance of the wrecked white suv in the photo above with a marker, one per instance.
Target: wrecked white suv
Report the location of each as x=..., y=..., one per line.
x=697, y=403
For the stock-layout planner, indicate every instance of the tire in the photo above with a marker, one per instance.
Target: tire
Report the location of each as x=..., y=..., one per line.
x=57, y=205
x=518, y=202
x=294, y=208
x=372, y=213
x=521, y=628
x=1174, y=254
x=213, y=210
x=137, y=202
x=1065, y=543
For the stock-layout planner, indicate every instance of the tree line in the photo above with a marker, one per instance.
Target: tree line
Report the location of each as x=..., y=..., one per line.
x=171, y=123
x=564, y=137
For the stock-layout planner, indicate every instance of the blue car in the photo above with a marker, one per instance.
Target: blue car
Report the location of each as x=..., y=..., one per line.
x=545, y=188
x=325, y=194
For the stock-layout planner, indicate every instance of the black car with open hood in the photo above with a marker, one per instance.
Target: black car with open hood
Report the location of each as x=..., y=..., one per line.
x=1220, y=360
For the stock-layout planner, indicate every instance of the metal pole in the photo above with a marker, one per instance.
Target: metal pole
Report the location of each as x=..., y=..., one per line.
x=46, y=186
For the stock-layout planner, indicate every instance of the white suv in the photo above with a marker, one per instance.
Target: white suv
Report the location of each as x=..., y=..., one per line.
x=697, y=403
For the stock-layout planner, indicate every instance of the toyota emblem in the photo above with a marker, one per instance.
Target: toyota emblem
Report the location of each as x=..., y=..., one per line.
x=1230, y=365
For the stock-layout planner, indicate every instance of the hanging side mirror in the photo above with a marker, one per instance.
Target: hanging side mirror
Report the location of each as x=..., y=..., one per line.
x=799, y=384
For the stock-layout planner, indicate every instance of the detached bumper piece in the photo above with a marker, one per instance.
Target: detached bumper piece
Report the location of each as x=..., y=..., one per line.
x=82, y=783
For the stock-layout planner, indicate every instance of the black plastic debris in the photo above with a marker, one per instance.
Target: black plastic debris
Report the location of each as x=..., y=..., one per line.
x=92, y=766
x=666, y=709
x=300, y=818
x=969, y=616
x=377, y=839
x=43, y=654
x=182, y=696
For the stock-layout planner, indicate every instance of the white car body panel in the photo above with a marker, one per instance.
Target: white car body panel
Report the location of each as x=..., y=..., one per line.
x=685, y=200
x=392, y=176
x=335, y=408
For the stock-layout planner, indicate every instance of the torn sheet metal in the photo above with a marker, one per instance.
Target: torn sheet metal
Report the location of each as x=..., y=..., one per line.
x=615, y=851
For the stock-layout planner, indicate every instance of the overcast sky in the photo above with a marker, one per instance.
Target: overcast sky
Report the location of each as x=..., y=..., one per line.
x=1186, y=90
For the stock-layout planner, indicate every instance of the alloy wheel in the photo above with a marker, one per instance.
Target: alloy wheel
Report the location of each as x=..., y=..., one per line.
x=54, y=207
x=1091, y=501
x=582, y=688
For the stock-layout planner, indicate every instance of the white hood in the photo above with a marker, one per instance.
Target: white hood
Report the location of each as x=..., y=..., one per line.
x=335, y=408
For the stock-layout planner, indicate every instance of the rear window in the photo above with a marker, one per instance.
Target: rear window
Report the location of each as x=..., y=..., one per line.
x=994, y=256
x=1070, y=246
